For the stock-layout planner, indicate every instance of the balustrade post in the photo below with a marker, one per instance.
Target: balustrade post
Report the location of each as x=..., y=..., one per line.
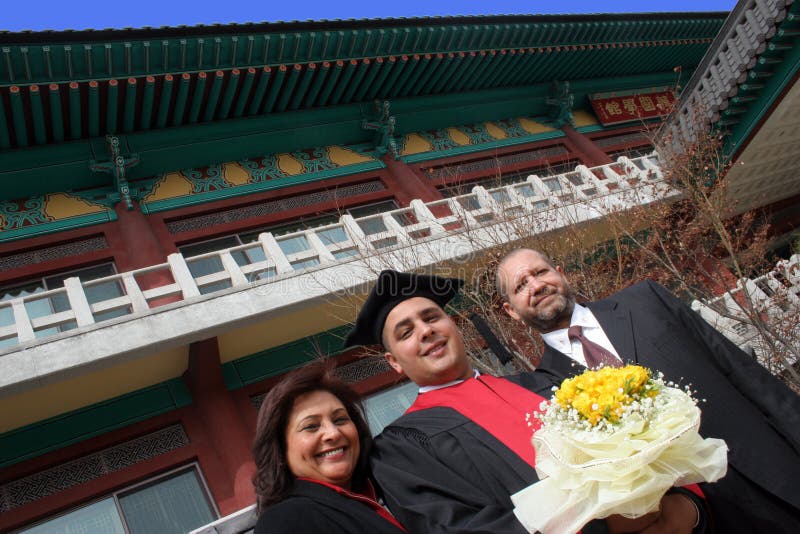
x=134, y=292
x=78, y=301
x=232, y=268
x=273, y=250
x=357, y=235
x=22, y=321
x=325, y=255
x=423, y=213
x=183, y=277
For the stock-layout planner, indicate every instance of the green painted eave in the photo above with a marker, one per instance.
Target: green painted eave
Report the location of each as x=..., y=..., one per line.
x=57, y=226
x=52, y=57
x=57, y=432
x=279, y=360
x=64, y=167
x=277, y=183
x=60, y=87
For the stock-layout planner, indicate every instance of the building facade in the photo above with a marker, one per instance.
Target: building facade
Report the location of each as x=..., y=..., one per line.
x=179, y=204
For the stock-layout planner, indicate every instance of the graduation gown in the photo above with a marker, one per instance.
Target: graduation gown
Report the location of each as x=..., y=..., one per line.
x=757, y=415
x=441, y=472
x=312, y=508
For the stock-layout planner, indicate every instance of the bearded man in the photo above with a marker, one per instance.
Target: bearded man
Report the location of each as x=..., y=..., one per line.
x=756, y=414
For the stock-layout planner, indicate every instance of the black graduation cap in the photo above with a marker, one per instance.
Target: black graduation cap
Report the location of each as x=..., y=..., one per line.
x=391, y=289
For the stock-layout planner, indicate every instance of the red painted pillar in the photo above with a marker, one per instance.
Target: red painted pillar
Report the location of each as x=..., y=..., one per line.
x=136, y=245
x=228, y=434
x=406, y=184
x=134, y=242
x=586, y=150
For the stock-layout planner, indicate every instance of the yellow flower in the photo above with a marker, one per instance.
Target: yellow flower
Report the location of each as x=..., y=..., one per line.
x=604, y=393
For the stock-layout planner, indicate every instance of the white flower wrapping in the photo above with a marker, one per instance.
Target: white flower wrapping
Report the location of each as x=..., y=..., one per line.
x=591, y=474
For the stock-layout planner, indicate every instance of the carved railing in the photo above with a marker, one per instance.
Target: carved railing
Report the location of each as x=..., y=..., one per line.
x=726, y=68
x=773, y=297
x=279, y=256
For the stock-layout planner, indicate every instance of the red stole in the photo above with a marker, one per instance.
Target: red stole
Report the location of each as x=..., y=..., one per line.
x=369, y=497
x=497, y=405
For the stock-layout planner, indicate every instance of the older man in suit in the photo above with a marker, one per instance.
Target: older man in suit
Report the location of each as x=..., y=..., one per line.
x=756, y=414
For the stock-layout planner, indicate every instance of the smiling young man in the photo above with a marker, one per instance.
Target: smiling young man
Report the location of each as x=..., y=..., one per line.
x=452, y=461
x=756, y=414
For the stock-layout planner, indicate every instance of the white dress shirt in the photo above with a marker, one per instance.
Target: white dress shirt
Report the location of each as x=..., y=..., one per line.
x=583, y=317
x=425, y=389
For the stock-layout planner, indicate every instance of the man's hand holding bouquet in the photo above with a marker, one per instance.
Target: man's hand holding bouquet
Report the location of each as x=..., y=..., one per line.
x=613, y=441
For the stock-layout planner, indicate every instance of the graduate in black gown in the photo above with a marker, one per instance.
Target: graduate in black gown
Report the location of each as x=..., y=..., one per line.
x=452, y=461
x=311, y=452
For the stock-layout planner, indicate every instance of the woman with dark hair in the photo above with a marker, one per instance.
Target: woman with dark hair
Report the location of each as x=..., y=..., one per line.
x=310, y=451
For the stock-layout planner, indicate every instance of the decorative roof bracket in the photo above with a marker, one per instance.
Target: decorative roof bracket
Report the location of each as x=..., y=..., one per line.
x=383, y=125
x=561, y=102
x=116, y=166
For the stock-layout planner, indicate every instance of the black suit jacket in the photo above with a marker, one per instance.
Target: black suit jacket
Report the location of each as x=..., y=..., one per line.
x=756, y=414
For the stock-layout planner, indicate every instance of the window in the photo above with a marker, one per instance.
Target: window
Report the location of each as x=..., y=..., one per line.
x=376, y=225
x=172, y=504
x=288, y=245
x=58, y=303
x=509, y=178
x=632, y=153
x=384, y=407
x=553, y=185
x=254, y=254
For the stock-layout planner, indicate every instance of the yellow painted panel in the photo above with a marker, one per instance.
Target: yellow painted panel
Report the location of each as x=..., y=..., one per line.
x=583, y=118
x=234, y=174
x=533, y=127
x=59, y=206
x=495, y=131
x=458, y=137
x=290, y=165
x=287, y=327
x=71, y=394
x=344, y=156
x=415, y=144
x=171, y=185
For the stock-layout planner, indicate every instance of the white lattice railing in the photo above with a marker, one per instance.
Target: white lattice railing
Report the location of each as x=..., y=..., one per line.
x=286, y=255
x=776, y=295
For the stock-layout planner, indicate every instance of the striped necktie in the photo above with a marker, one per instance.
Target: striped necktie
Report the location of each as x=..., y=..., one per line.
x=595, y=354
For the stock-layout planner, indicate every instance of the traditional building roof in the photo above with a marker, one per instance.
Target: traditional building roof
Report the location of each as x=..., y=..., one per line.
x=745, y=87
x=253, y=88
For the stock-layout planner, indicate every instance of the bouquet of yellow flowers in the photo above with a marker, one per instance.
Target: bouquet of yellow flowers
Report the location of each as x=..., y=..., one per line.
x=613, y=441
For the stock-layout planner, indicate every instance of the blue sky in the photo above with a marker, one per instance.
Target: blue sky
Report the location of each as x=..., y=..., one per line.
x=80, y=14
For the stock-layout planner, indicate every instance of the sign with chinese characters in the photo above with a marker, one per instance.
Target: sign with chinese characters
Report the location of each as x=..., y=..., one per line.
x=617, y=109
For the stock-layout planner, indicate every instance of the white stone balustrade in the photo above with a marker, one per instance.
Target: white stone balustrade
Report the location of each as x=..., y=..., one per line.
x=776, y=295
x=165, y=306
x=288, y=254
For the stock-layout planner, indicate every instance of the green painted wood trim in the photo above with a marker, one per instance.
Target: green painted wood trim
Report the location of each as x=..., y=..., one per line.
x=57, y=226
x=281, y=359
x=210, y=196
x=332, y=40
x=65, y=166
x=470, y=149
x=593, y=128
x=58, y=432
